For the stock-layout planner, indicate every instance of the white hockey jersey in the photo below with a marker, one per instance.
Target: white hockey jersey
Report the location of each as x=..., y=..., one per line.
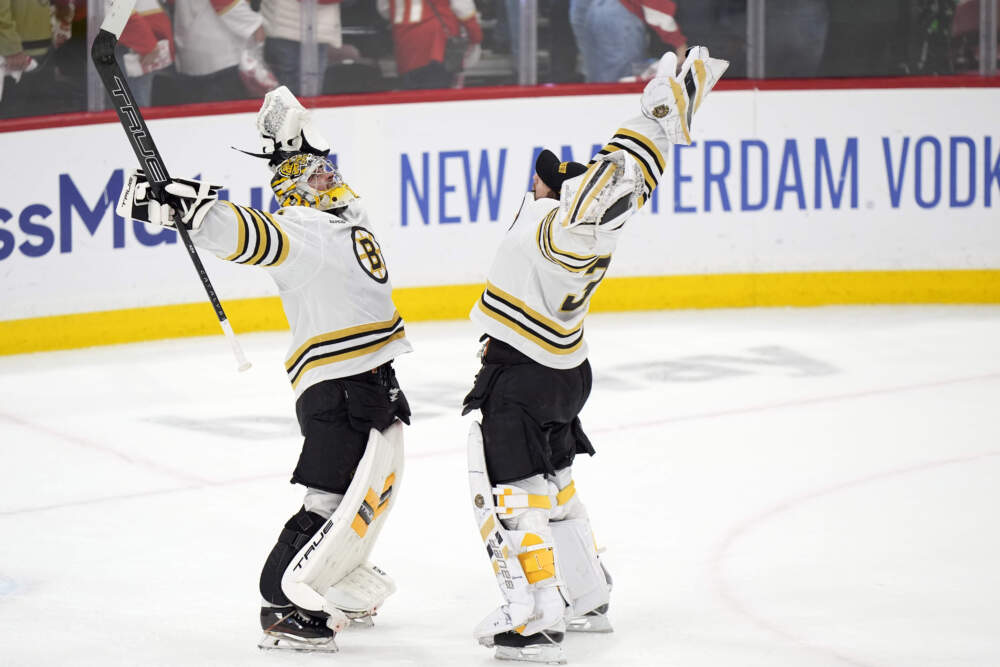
x=332, y=279
x=556, y=253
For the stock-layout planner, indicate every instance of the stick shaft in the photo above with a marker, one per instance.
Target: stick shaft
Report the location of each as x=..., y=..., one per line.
x=141, y=140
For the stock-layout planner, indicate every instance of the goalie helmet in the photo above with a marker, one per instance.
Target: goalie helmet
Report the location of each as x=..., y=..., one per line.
x=306, y=179
x=298, y=155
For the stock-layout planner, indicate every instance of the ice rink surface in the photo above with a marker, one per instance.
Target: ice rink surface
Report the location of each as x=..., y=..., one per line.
x=775, y=487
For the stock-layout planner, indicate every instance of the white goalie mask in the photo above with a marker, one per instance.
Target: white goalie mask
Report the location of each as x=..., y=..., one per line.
x=305, y=179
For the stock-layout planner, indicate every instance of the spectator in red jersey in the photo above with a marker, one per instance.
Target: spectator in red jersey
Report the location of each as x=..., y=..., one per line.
x=428, y=34
x=220, y=51
x=150, y=43
x=612, y=35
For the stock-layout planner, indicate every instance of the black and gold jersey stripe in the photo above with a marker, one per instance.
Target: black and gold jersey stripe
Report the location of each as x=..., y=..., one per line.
x=260, y=240
x=528, y=323
x=335, y=346
x=644, y=151
x=547, y=246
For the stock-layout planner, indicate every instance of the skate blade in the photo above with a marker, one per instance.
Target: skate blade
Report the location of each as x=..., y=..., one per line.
x=551, y=654
x=275, y=642
x=595, y=624
x=359, y=623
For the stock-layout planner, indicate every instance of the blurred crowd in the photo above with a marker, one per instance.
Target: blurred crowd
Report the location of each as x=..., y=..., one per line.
x=187, y=51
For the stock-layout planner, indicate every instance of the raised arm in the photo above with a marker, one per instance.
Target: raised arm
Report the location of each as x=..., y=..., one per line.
x=234, y=233
x=624, y=173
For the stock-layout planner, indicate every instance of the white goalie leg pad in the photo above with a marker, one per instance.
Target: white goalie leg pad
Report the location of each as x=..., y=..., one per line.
x=361, y=591
x=583, y=578
x=579, y=566
x=344, y=542
x=523, y=559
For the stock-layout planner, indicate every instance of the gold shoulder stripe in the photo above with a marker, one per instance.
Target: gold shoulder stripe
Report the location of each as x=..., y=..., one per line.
x=646, y=143
x=241, y=242
x=282, y=241
x=264, y=240
x=647, y=176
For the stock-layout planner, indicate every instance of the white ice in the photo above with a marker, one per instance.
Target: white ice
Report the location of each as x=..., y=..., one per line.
x=775, y=487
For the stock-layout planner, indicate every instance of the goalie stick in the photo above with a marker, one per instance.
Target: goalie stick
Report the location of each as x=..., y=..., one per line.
x=102, y=52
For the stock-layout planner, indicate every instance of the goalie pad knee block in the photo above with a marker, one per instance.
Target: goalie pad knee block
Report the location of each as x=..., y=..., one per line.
x=583, y=579
x=331, y=570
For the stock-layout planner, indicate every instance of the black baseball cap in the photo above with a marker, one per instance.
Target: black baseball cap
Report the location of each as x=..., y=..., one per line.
x=553, y=172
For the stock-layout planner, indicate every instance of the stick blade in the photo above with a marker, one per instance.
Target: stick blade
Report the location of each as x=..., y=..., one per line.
x=116, y=14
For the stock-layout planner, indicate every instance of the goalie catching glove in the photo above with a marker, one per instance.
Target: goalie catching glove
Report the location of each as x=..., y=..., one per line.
x=671, y=98
x=286, y=128
x=188, y=201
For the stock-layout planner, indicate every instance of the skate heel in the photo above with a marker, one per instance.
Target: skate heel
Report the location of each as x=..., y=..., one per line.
x=543, y=647
x=288, y=628
x=596, y=621
x=270, y=641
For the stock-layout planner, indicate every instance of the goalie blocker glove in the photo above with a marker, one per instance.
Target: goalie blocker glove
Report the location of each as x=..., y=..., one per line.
x=186, y=200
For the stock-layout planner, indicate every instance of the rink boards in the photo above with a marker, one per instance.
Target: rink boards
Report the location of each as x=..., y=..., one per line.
x=787, y=197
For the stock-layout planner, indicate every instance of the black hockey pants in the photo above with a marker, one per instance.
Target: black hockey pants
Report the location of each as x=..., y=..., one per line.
x=530, y=413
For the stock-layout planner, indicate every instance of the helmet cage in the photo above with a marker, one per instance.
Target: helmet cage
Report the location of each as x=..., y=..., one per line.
x=292, y=188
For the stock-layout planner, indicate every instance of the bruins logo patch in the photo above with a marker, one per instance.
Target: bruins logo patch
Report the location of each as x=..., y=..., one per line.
x=294, y=167
x=369, y=254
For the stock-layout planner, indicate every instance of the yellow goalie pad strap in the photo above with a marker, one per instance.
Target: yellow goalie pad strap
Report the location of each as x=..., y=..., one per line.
x=538, y=565
x=564, y=496
x=509, y=499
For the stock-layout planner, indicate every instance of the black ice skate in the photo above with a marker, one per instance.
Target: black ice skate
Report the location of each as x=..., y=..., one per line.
x=592, y=621
x=544, y=647
x=290, y=628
